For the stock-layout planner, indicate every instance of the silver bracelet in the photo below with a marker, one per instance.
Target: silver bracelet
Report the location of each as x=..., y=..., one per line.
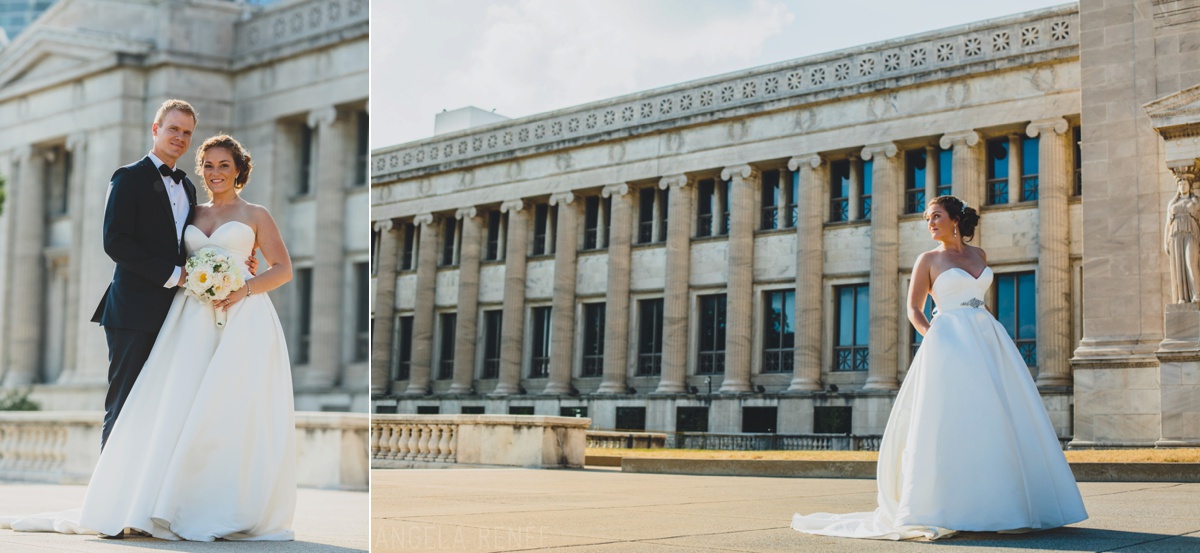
x=247, y=285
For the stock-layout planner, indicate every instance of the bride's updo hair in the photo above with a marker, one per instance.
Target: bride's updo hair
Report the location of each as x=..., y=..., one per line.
x=966, y=217
x=241, y=158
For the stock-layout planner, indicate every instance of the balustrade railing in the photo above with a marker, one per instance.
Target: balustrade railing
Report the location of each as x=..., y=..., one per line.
x=772, y=442
x=402, y=441
x=602, y=439
x=399, y=440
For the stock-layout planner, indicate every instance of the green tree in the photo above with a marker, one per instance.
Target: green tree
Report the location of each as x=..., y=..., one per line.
x=18, y=400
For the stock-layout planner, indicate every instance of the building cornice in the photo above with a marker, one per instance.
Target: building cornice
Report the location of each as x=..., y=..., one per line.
x=1041, y=36
x=286, y=30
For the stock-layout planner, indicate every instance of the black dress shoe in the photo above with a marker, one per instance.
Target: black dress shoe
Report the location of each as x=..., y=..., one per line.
x=120, y=536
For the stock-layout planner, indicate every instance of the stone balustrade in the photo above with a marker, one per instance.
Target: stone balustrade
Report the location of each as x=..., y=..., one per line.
x=407, y=441
x=626, y=440
x=62, y=447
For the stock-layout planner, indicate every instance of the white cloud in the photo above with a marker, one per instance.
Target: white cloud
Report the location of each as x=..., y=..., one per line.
x=538, y=55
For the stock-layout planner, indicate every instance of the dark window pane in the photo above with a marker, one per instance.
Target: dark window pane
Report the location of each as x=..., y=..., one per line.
x=491, y=343
x=945, y=172
x=778, y=335
x=770, y=198
x=691, y=419
x=646, y=215
x=832, y=420
x=853, y=317
x=759, y=420
x=997, y=171
x=591, y=222
x=446, y=357
x=593, y=339
x=650, y=337
x=541, y=223
x=631, y=418
x=539, y=363
x=403, y=353
x=839, y=191
x=712, y=334
x=868, y=177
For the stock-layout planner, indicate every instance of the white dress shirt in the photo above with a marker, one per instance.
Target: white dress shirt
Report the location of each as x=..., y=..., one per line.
x=179, y=208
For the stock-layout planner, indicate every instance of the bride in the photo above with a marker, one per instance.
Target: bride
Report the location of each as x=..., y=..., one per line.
x=968, y=445
x=205, y=446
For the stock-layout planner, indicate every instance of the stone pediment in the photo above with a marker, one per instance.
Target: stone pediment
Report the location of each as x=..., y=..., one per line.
x=1176, y=115
x=46, y=55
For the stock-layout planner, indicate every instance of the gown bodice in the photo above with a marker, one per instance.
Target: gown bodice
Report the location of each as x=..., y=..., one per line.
x=232, y=237
x=955, y=289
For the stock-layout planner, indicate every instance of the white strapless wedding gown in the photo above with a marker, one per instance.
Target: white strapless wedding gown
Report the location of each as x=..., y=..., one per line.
x=968, y=446
x=205, y=445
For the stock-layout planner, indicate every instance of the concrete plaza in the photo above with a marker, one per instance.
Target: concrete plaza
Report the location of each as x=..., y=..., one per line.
x=605, y=510
x=326, y=522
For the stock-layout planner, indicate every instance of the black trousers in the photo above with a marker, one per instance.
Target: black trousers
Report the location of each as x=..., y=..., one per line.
x=127, y=352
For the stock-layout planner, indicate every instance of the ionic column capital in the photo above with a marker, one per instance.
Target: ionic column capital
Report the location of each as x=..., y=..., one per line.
x=677, y=181
x=619, y=189
x=1056, y=124
x=321, y=117
x=888, y=149
x=969, y=138
x=466, y=213
x=564, y=198
x=1183, y=171
x=812, y=160
x=512, y=205
x=76, y=141
x=744, y=171
x=423, y=219
x=384, y=225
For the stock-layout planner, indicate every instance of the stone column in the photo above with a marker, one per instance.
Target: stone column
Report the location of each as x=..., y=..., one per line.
x=421, y=362
x=968, y=167
x=855, y=189
x=616, y=300
x=562, y=311
x=885, y=269
x=1054, y=266
x=675, y=291
x=512, y=336
x=385, y=308
x=27, y=204
x=468, y=300
x=1014, y=170
x=933, y=173
x=810, y=268
x=739, y=295
x=77, y=146
x=324, y=369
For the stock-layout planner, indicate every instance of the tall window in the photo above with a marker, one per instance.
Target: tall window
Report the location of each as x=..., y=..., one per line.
x=1076, y=137
x=791, y=209
x=770, y=199
x=57, y=178
x=650, y=323
x=491, y=343
x=495, y=236
x=402, y=352
x=868, y=178
x=544, y=220
x=997, y=171
x=450, y=241
x=779, y=335
x=595, y=222
x=362, y=150
x=851, y=334
x=915, y=167
x=712, y=208
x=410, y=245
x=304, y=313
x=1016, y=309
x=1029, y=169
x=447, y=322
x=945, y=171
x=593, y=339
x=916, y=336
x=362, y=319
x=839, y=191
x=376, y=238
x=539, y=365
x=712, y=335
x=652, y=215
x=305, y=157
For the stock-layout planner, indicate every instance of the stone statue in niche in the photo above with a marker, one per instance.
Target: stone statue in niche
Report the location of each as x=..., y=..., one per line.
x=1182, y=240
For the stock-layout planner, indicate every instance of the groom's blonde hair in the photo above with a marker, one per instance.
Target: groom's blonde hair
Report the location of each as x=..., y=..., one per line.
x=174, y=105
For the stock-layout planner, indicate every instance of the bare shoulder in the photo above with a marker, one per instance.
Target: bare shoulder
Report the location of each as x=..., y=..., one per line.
x=258, y=213
x=978, y=250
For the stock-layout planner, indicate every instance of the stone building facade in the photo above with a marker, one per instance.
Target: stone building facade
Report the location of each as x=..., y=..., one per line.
x=732, y=254
x=78, y=93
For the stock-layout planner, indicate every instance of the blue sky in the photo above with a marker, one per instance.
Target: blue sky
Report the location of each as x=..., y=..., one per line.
x=521, y=57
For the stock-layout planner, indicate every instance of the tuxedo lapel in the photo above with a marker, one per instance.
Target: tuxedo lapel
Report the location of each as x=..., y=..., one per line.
x=160, y=189
x=190, y=189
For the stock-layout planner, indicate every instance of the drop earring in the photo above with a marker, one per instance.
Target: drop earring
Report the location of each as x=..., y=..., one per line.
x=956, y=230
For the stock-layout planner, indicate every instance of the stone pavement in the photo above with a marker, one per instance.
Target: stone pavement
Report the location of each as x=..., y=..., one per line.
x=605, y=510
x=326, y=521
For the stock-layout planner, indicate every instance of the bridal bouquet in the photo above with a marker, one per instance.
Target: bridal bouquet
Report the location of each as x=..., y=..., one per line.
x=212, y=276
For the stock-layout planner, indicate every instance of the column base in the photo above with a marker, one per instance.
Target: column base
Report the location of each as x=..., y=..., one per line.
x=1053, y=381
x=459, y=389
x=882, y=384
x=504, y=389
x=612, y=388
x=1165, y=443
x=417, y=389
x=805, y=385
x=728, y=387
x=556, y=388
x=670, y=388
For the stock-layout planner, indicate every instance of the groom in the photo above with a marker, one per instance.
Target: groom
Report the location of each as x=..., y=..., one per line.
x=149, y=204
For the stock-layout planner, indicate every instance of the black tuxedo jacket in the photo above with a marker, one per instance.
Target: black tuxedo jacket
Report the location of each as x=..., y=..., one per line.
x=139, y=234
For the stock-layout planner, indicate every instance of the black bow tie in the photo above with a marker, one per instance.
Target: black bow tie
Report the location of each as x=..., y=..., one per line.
x=176, y=175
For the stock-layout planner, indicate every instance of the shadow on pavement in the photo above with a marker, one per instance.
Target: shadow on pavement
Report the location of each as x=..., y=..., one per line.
x=1075, y=539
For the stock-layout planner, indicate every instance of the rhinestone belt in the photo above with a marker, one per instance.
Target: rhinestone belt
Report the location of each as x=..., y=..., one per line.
x=973, y=302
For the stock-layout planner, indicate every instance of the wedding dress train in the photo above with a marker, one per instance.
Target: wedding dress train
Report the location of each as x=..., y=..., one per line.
x=205, y=445
x=968, y=445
